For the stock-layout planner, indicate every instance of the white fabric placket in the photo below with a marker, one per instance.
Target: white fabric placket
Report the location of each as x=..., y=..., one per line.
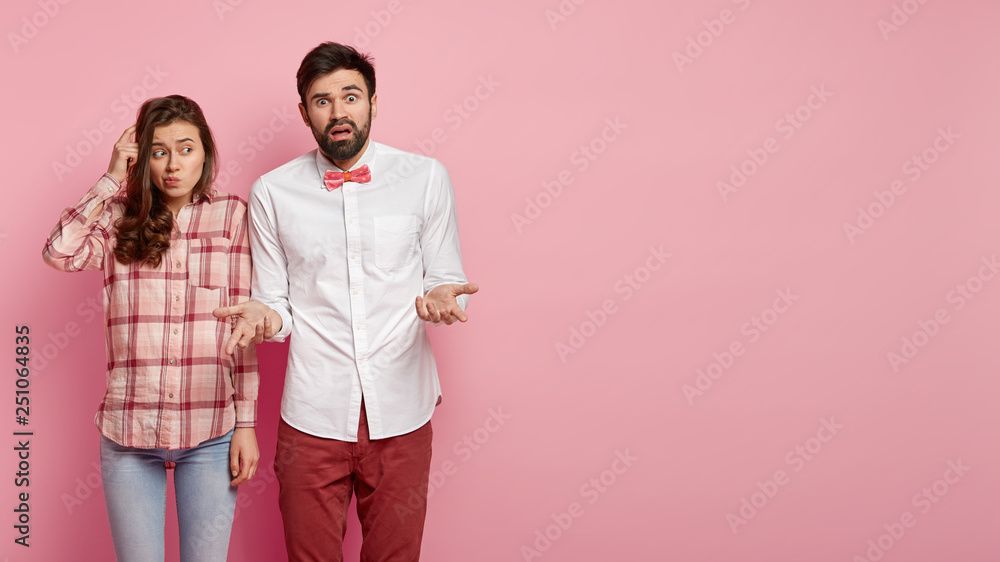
x=356, y=286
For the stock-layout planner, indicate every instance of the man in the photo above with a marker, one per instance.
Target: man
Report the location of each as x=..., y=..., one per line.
x=355, y=246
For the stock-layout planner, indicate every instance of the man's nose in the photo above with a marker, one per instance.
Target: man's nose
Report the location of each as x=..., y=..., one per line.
x=339, y=110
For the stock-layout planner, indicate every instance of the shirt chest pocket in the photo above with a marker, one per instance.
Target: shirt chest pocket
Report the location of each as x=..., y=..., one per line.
x=208, y=262
x=395, y=241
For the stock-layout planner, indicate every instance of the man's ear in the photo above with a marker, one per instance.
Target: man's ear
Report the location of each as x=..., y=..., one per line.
x=305, y=115
x=374, y=105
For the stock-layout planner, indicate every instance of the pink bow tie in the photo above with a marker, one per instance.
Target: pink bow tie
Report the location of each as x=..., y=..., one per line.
x=333, y=180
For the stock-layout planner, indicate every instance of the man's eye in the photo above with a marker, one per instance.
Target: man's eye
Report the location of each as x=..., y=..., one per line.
x=322, y=102
x=352, y=98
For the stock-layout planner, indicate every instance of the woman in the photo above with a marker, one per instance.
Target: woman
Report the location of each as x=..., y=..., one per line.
x=172, y=249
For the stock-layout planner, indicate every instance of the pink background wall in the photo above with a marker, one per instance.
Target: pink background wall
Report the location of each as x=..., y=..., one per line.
x=742, y=345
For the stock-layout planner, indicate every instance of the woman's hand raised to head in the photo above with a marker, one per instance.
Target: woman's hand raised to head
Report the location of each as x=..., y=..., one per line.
x=124, y=151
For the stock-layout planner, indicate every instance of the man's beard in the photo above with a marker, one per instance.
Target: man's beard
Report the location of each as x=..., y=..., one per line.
x=343, y=149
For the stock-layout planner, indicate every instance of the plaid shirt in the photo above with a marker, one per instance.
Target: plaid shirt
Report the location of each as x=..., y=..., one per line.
x=169, y=382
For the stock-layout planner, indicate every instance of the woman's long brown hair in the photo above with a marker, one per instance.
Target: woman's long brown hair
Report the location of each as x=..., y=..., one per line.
x=143, y=231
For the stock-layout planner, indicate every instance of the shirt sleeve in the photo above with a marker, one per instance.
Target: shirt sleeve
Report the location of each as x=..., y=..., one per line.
x=440, y=250
x=77, y=244
x=270, y=280
x=245, y=375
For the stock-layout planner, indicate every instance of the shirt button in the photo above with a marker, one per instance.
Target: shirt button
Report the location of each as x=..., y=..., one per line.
x=356, y=292
x=354, y=256
x=177, y=298
x=171, y=361
x=178, y=264
x=171, y=395
x=350, y=221
x=358, y=326
x=361, y=361
x=175, y=331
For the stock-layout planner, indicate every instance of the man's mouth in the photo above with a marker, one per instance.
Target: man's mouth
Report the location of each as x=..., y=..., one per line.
x=343, y=132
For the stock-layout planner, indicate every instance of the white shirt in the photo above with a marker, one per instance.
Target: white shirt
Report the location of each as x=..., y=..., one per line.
x=343, y=269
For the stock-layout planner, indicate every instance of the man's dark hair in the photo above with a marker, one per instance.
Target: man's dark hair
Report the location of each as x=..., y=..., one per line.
x=329, y=57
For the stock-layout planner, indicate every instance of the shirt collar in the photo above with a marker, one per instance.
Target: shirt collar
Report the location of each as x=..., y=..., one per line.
x=367, y=157
x=208, y=196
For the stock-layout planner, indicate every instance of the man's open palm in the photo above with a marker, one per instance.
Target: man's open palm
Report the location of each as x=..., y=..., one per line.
x=440, y=305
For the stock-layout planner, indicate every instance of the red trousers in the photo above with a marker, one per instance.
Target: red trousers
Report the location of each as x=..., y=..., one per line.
x=317, y=476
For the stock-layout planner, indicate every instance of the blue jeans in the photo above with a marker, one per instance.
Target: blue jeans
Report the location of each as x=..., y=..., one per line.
x=135, y=491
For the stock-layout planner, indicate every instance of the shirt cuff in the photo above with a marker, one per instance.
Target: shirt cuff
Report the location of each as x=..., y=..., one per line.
x=286, y=325
x=106, y=187
x=246, y=413
x=118, y=184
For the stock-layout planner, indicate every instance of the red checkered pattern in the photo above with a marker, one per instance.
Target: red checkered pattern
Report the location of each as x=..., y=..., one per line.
x=169, y=382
